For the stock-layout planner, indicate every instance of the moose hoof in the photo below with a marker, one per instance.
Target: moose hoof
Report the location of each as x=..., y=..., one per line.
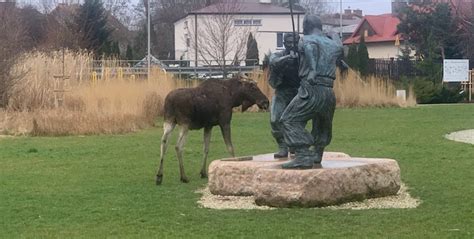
x=203, y=175
x=159, y=178
x=184, y=180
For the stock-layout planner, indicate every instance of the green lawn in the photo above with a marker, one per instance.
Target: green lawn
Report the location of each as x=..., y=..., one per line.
x=103, y=186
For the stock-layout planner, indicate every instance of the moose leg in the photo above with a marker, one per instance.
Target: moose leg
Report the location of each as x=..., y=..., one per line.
x=225, y=128
x=207, y=140
x=179, y=151
x=167, y=129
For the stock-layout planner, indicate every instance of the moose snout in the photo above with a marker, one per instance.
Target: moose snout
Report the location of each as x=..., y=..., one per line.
x=264, y=104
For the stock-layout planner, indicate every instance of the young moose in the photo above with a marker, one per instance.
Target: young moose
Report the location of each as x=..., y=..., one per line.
x=205, y=106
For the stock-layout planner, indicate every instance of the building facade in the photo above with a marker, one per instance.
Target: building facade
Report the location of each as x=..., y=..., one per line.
x=381, y=36
x=265, y=21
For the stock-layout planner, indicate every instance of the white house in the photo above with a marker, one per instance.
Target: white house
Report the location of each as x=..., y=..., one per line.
x=267, y=23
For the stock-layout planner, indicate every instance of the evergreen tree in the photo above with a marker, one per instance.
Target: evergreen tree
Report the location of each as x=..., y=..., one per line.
x=252, y=51
x=115, y=49
x=129, y=53
x=352, y=58
x=438, y=28
x=405, y=59
x=363, y=57
x=266, y=60
x=140, y=44
x=90, y=25
x=430, y=68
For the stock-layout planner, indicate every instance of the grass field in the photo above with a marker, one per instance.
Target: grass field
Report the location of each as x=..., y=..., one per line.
x=103, y=186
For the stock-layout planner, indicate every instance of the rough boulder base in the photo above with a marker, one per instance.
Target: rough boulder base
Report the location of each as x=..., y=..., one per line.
x=341, y=179
x=235, y=176
x=402, y=200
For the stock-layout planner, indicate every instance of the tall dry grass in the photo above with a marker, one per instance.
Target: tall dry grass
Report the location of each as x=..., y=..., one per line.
x=115, y=103
x=354, y=91
x=108, y=103
x=35, y=88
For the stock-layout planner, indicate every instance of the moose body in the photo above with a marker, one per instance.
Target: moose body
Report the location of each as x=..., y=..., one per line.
x=205, y=106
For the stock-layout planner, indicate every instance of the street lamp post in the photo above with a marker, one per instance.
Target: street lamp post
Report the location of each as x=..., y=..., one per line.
x=149, y=42
x=340, y=19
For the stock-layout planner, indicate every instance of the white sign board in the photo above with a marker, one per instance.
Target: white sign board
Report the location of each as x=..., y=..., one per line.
x=402, y=95
x=455, y=70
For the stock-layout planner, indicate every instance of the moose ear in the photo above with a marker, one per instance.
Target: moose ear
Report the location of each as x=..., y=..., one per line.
x=246, y=105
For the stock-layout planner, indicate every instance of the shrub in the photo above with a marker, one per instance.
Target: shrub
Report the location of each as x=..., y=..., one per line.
x=428, y=92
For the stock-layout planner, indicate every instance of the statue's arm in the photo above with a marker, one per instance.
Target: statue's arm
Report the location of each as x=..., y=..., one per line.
x=311, y=51
x=277, y=61
x=340, y=57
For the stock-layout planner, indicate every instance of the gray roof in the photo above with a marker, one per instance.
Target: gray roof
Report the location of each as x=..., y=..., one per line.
x=244, y=8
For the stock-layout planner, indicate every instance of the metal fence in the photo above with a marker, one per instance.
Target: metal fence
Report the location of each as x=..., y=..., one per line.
x=393, y=68
x=192, y=69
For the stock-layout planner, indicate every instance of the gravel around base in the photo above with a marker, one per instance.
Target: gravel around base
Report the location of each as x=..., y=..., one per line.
x=401, y=200
x=465, y=136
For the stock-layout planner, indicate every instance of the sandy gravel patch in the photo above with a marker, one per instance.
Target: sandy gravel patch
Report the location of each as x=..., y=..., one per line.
x=465, y=136
x=401, y=200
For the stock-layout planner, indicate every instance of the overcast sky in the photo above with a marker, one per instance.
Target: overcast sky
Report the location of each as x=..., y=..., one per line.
x=369, y=7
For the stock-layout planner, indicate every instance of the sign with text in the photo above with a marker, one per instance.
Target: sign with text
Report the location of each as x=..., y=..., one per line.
x=455, y=70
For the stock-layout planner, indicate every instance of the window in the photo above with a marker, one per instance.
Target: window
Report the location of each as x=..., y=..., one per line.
x=247, y=22
x=238, y=22
x=279, y=39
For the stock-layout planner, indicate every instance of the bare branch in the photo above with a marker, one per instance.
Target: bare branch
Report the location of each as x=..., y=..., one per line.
x=218, y=39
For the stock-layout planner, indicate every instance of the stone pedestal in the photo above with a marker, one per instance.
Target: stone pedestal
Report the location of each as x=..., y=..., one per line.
x=339, y=179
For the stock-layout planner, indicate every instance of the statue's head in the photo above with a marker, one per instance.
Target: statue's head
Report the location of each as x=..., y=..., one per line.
x=290, y=40
x=311, y=22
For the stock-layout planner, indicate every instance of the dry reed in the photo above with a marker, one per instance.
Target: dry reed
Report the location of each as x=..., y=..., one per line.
x=80, y=103
x=112, y=102
x=353, y=91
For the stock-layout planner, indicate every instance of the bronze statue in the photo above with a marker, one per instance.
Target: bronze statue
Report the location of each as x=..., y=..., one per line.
x=315, y=100
x=285, y=80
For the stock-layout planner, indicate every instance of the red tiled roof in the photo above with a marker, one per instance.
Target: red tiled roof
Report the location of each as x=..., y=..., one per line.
x=244, y=8
x=384, y=27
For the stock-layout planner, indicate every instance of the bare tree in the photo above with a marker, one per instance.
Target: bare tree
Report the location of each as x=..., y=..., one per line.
x=317, y=7
x=163, y=13
x=34, y=23
x=46, y=6
x=218, y=39
x=120, y=9
x=167, y=12
x=12, y=41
